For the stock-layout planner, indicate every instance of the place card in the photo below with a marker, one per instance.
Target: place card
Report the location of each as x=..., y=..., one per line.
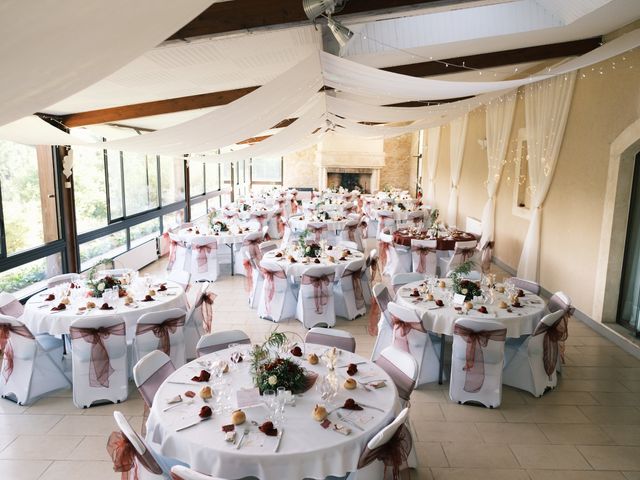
x=458, y=299
x=249, y=397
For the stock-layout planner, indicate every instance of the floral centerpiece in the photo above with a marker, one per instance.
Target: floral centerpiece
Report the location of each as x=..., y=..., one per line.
x=401, y=207
x=213, y=213
x=219, y=226
x=462, y=285
x=271, y=371
x=312, y=250
x=97, y=284
x=245, y=207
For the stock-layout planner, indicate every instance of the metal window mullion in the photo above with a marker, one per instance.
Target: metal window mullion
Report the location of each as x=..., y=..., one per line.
x=124, y=203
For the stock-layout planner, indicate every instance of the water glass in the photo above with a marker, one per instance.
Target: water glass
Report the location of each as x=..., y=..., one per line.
x=270, y=402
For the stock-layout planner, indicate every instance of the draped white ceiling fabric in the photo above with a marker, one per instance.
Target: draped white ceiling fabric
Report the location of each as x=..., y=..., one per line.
x=457, y=137
x=51, y=49
x=362, y=89
x=499, y=118
x=547, y=107
x=433, y=150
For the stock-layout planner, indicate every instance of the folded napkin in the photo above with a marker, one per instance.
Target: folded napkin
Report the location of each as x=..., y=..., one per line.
x=350, y=404
x=105, y=306
x=59, y=307
x=203, y=377
x=268, y=429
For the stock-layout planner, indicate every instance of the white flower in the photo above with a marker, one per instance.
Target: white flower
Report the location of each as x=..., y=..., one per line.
x=464, y=291
x=101, y=286
x=272, y=380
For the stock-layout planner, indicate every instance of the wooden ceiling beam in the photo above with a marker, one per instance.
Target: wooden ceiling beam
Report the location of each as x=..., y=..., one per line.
x=239, y=15
x=422, y=69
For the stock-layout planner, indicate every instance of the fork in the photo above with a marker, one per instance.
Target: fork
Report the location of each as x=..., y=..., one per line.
x=349, y=421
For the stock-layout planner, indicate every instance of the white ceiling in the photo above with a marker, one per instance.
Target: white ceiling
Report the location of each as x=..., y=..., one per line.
x=206, y=65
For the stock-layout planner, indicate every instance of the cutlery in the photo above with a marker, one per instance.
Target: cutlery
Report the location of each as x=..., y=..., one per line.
x=192, y=424
x=365, y=386
x=356, y=363
x=280, y=432
x=185, y=383
x=245, y=432
x=177, y=405
x=349, y=421
x=370, y=406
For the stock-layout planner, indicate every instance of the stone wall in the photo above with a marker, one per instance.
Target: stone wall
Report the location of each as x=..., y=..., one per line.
x=300, y=170
x=398, y=157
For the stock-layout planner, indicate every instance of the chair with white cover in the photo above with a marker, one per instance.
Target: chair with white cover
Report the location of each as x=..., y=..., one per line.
x=400, y=279
x=353, y=233
x=254, y=279
x=528, y=285
x=395, y=436
x=389, y=260
x=347, y=245
x=10, y=305
x=163, y=331
x=129, y=451
x=348, y=292
x=277, y=301
x=402, y=367
x=561, y=301
x=31, y=367
x=115, y=272
x=180, y=472
x=100, y=364
x=414, y=335
x=277, y=225
x=180, y=277
x=204, y=258
x=386, y=221
x=214, y=342
x=477, y=361
x=531, y=365
x=250, y=249
x=415, y=219
x=463, y=251
x=315, y=299
x=149, y=373
x=424, y=256
x=64, y=278
x=179, y=253
x=318, y=231
x=331, y=337
x=380, y=323
x=268, y=246
x=199, y=317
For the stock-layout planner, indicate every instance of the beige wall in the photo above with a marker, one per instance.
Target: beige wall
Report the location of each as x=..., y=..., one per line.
x=602, y=107
x=398, y=152
x=299, y=169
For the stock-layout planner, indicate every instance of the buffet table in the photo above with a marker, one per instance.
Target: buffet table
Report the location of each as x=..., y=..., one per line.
x=306, y=449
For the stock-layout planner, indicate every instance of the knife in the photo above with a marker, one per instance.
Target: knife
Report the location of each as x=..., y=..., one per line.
x=371, y=406
x=280, y=432
x=192, y=424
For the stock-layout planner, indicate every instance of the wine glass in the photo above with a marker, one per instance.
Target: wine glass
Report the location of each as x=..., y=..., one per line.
x=270, y=401
x=281, y=400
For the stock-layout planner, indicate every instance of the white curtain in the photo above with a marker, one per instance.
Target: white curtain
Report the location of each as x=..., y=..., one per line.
x=499, y=118
x=51, y=49
x=433, y=149
x=547, y=107
x=457, y=136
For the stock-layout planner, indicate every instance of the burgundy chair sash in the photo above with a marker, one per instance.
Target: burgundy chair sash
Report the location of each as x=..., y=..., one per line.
x=378, y=306
x=320, y=289
x=173, y=249
x=364, y=226
x=229, y=215
x=404, y=384
x=279, y=222
x=162, y=331
x=270, y=285
x=6, y=329
x=393, y=454
x=151, y=385
x=100, y=366
x=373, y=265
x=259, y=217
x=202, y=251
x=401, y=332
x=553, y=335
x=357, y=286
x=466, y=253
x=423, y=252
x=126, y=458
x=248, y=275
x=383, y=248
x=416, y=220
x=12, y=309
x=360, y=204
x=474, y=360
x=351, y=232
x=348, y=209
x=253, y=247
x=487, y=255
x=294, y=203
x=205, y=304
x=317, y=231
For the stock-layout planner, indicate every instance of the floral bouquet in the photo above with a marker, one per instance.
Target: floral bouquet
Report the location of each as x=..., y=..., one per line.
x=97, y=285
x=219, y=226
x=312, y=250
x=462, y=285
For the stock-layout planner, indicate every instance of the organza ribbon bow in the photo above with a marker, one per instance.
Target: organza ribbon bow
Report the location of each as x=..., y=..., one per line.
x=162, y=331
x=422, y=253
x=474, y=359
x=320, y=289
x=553, y=335
x=393, y=454
x=270, y=285
x=6, y=329
x=202, y=251
x=401, y=330
x=100, y=366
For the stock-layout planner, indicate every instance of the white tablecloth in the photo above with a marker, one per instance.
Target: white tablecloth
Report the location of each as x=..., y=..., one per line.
x=296, y=269
x=40, y=319
x=306, y=450
x=520, y=321
x=223, y=238
x=332, y=225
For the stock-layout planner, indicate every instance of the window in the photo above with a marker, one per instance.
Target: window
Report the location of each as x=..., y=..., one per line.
x=21, y=278
x=196, y=178
x=522, y=189
x=212, y=171
x=143, y=232
x=266, y=170
x=89, y=188
x=116, y=200
x=104, y=247
x=172, y=220
x=198, y=210
x=140, y=183
x=171, y=180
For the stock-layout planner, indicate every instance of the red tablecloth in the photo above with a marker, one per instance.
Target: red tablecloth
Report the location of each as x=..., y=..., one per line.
x=404, y=237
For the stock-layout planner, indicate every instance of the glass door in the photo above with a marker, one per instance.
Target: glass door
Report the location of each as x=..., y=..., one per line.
x=629, y=303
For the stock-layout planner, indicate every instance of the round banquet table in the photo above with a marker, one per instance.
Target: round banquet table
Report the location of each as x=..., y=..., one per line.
x=39, y=317
x=404, y=237
x=296, y=269
x=300, y=224
x=223, y=238
x=518, y=321
x=398, y=215
x=306, y=450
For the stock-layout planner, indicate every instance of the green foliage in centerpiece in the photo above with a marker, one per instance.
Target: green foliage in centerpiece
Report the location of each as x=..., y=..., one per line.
x=401, y=206
x=222, y=226
x=312, y=250
x=462, y=285
x=97, y=285
x=271, y=371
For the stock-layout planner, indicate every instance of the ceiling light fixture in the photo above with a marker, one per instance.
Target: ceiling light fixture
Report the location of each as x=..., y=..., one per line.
x=314, y=8
x=340, y=32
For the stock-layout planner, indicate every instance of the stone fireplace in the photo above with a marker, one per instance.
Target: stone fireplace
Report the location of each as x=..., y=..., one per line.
x=349, y=161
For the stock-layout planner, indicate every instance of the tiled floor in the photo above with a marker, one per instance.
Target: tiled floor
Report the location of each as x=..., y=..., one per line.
x=588, y=428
